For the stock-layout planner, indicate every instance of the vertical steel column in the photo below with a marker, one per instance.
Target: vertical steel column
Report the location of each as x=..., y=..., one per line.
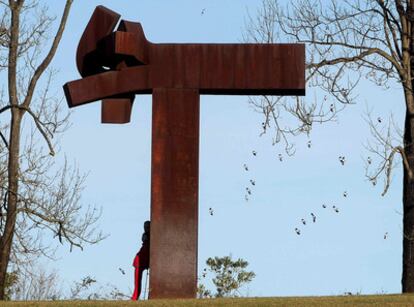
x=174, y=193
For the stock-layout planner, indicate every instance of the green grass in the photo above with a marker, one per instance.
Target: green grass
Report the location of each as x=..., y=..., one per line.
x=363, y=300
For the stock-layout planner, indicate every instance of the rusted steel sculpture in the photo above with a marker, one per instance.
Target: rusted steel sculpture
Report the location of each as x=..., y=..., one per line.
x=117, y=65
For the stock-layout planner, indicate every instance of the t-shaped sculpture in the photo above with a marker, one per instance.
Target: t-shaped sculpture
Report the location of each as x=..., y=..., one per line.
x=116, y=66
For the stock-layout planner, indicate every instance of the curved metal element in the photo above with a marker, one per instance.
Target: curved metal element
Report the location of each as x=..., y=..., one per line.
x=141, y=42
x=101, y=24
x=127, y=47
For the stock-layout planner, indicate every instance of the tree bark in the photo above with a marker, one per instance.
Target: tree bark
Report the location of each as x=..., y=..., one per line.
x=6, y=239
x=13, y=179
x=408, y=200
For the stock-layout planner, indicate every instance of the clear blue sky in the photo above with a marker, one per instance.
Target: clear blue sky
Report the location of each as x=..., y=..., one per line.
x=341, y=252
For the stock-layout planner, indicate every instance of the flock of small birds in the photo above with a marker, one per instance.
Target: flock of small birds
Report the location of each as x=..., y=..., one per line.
x=252, y=182
x=342, y=160
x=313, y=218
x=324, y=206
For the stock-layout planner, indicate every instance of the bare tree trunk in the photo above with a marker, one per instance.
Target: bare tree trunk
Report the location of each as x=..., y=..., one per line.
x=13, y=167
x=408, y=182
x=6, y=239
x=408, y=198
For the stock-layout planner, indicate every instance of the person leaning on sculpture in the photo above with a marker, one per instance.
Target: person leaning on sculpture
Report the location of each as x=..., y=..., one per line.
x=141, y=260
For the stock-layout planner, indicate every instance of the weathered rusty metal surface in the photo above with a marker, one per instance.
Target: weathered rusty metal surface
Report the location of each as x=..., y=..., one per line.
x=117, y=65
x=174, y=193
x=233, y=69
x=117, y=110
x=100, y=25
x=227, y=69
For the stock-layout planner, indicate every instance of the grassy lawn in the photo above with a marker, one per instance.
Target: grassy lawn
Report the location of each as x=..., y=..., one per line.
x=368, y=300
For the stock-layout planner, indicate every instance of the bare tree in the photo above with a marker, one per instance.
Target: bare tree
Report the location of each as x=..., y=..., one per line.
x=40, y=200
x=346, y=41
x=34, y=282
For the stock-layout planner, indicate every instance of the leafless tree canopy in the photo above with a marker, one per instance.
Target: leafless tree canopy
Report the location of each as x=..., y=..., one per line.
x=347, y=41
x=39, y=192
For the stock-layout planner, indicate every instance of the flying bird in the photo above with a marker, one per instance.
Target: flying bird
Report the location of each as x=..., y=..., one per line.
x=254, y=153
x=210, y=210
x=297, y=231
x=309, y=144
x=313, y=217
x=303, y=221
x=122, y=271
x=324, y=206
x=342, y=160
x=245, y=167
x=252, y=182
x=203, y=11
x=345, y=194
x=248, y=191
x=385, y=235
x=280, y=157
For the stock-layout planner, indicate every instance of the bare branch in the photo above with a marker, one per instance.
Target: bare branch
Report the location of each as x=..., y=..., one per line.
x=357, y=58
x=45, y=63
x=39, y=126
x=3, y=138
x=401, y=150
